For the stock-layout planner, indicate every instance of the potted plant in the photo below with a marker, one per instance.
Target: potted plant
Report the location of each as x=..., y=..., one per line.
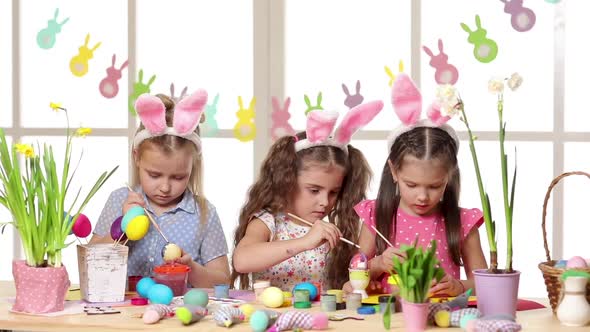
x=497, y=289
x=34, y=192
x=414, y=279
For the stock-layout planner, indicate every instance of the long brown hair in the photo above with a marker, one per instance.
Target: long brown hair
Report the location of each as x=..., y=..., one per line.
x=423, y=143
x=169, y=143
x=276, y=184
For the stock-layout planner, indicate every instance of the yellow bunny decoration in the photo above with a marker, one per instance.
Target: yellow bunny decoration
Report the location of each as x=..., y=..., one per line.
x=79, y=63
x=245, y=129
x=391, y=74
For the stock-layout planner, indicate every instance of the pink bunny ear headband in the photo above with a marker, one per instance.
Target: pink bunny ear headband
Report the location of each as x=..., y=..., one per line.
x=407, y=103
x=321, y=123
x=187, y=113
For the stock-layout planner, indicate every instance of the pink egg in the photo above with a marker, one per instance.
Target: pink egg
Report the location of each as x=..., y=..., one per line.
x=576, y=262
x=82, y=226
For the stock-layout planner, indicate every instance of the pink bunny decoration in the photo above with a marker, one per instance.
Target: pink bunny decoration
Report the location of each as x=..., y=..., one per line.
x=280, y=119
x=187, y=114
x=109, y=86
x=522, y=18
x=353, y=100
x=445, y=73
x=292, y=320
x=321, y=123
x=407, y=104
x=176, y=99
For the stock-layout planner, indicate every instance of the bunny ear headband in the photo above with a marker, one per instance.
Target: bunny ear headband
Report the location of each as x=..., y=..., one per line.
x=407, y=103
x=321, y=123
x=187, y=113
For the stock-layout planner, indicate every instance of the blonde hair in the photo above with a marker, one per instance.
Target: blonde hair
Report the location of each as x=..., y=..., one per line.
x=169, y=143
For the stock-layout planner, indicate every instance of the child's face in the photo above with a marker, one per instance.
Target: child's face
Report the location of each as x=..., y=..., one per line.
x=421, y=183
x=316, y=192
x=164, y=177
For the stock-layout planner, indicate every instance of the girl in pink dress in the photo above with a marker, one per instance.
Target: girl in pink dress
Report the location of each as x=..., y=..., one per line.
x=418, y=197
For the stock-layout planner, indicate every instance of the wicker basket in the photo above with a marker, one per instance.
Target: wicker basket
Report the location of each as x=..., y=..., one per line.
x=552, y=274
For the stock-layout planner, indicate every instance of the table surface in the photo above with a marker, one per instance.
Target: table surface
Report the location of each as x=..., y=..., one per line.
x=531, y=320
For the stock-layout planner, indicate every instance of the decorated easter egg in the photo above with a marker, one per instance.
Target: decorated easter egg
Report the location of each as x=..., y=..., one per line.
x=196, y=297
x=248, y=310
x=576, y=262
x=143, y=286
x=272, y=297
x=171, y=252
x=82, y=226
x=311, y=288
x=259, y=321
x=116, y=231
x=359, y=262
x=160, y=294
x=130, y=215
x=137, y=228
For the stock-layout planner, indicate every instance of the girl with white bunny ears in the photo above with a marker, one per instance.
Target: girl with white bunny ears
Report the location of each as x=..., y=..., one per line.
x=418, y=196
x=167, y=177
x=314, y=174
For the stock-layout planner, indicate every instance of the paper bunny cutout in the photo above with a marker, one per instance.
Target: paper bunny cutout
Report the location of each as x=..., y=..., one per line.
x=175, y=98
x=187, y=115
x=139, y=88
x=321, y=123
x=280, y=119
x=79, y=63
x=353, y=100
x=485, y=49
x=46, y=37
x=245, y=128
x=445, y=73
x=522, y=18
x=407, y=104
x=109, y=86
x=313, y=107
x=209, y=128
x=391, y=74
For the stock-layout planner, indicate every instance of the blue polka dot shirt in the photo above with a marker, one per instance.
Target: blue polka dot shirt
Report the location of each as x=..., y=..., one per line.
x=181, y=225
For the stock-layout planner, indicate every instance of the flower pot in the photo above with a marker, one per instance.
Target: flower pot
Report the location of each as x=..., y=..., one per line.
x=497, y=293
x=39, y=289
x=103, y=272
x=415, y=316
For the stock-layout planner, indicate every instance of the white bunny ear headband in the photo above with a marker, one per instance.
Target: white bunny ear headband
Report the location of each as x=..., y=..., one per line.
x=187, y=113
x=321, y=123
x=407, y=104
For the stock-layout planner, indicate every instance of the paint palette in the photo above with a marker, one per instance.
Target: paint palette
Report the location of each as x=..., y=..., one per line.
x=100, y=310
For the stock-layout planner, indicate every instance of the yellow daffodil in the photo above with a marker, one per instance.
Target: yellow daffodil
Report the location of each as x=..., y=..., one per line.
x=82, y=131
x=55, y=106
x=25, y=149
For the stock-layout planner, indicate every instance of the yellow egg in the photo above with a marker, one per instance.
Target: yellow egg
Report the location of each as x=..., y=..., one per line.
x=171, y=252
x=272, y=297
x=137, y=228
x=248, y=310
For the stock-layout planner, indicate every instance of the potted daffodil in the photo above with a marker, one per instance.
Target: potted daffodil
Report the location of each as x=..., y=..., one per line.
x=34, y=192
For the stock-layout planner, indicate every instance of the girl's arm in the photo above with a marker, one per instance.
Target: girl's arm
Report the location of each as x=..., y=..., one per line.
x=214, y=272
x=255, y=253
x=473, y=257
x=368, y=247
x=100, y=239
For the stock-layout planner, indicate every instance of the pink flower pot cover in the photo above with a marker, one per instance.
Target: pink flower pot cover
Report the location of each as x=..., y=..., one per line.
x=415, y=316
x=39, y=289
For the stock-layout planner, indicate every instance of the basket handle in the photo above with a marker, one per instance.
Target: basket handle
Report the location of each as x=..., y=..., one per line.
x=547, y=195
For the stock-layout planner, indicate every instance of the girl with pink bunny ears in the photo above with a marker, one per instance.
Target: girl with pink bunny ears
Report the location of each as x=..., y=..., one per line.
x=314, y=174
x=167, y=182
x=418, y=197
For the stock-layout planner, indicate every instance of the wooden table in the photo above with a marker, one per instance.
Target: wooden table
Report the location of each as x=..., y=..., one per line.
x=531, y=320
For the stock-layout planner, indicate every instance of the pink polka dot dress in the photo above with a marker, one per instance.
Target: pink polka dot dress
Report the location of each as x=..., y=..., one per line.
x=427, y=228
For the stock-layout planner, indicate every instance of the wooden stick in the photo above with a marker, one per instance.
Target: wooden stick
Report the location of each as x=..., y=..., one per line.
x=311, y=224
x=147, y=213
x=381, y=235
x=118, y=240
